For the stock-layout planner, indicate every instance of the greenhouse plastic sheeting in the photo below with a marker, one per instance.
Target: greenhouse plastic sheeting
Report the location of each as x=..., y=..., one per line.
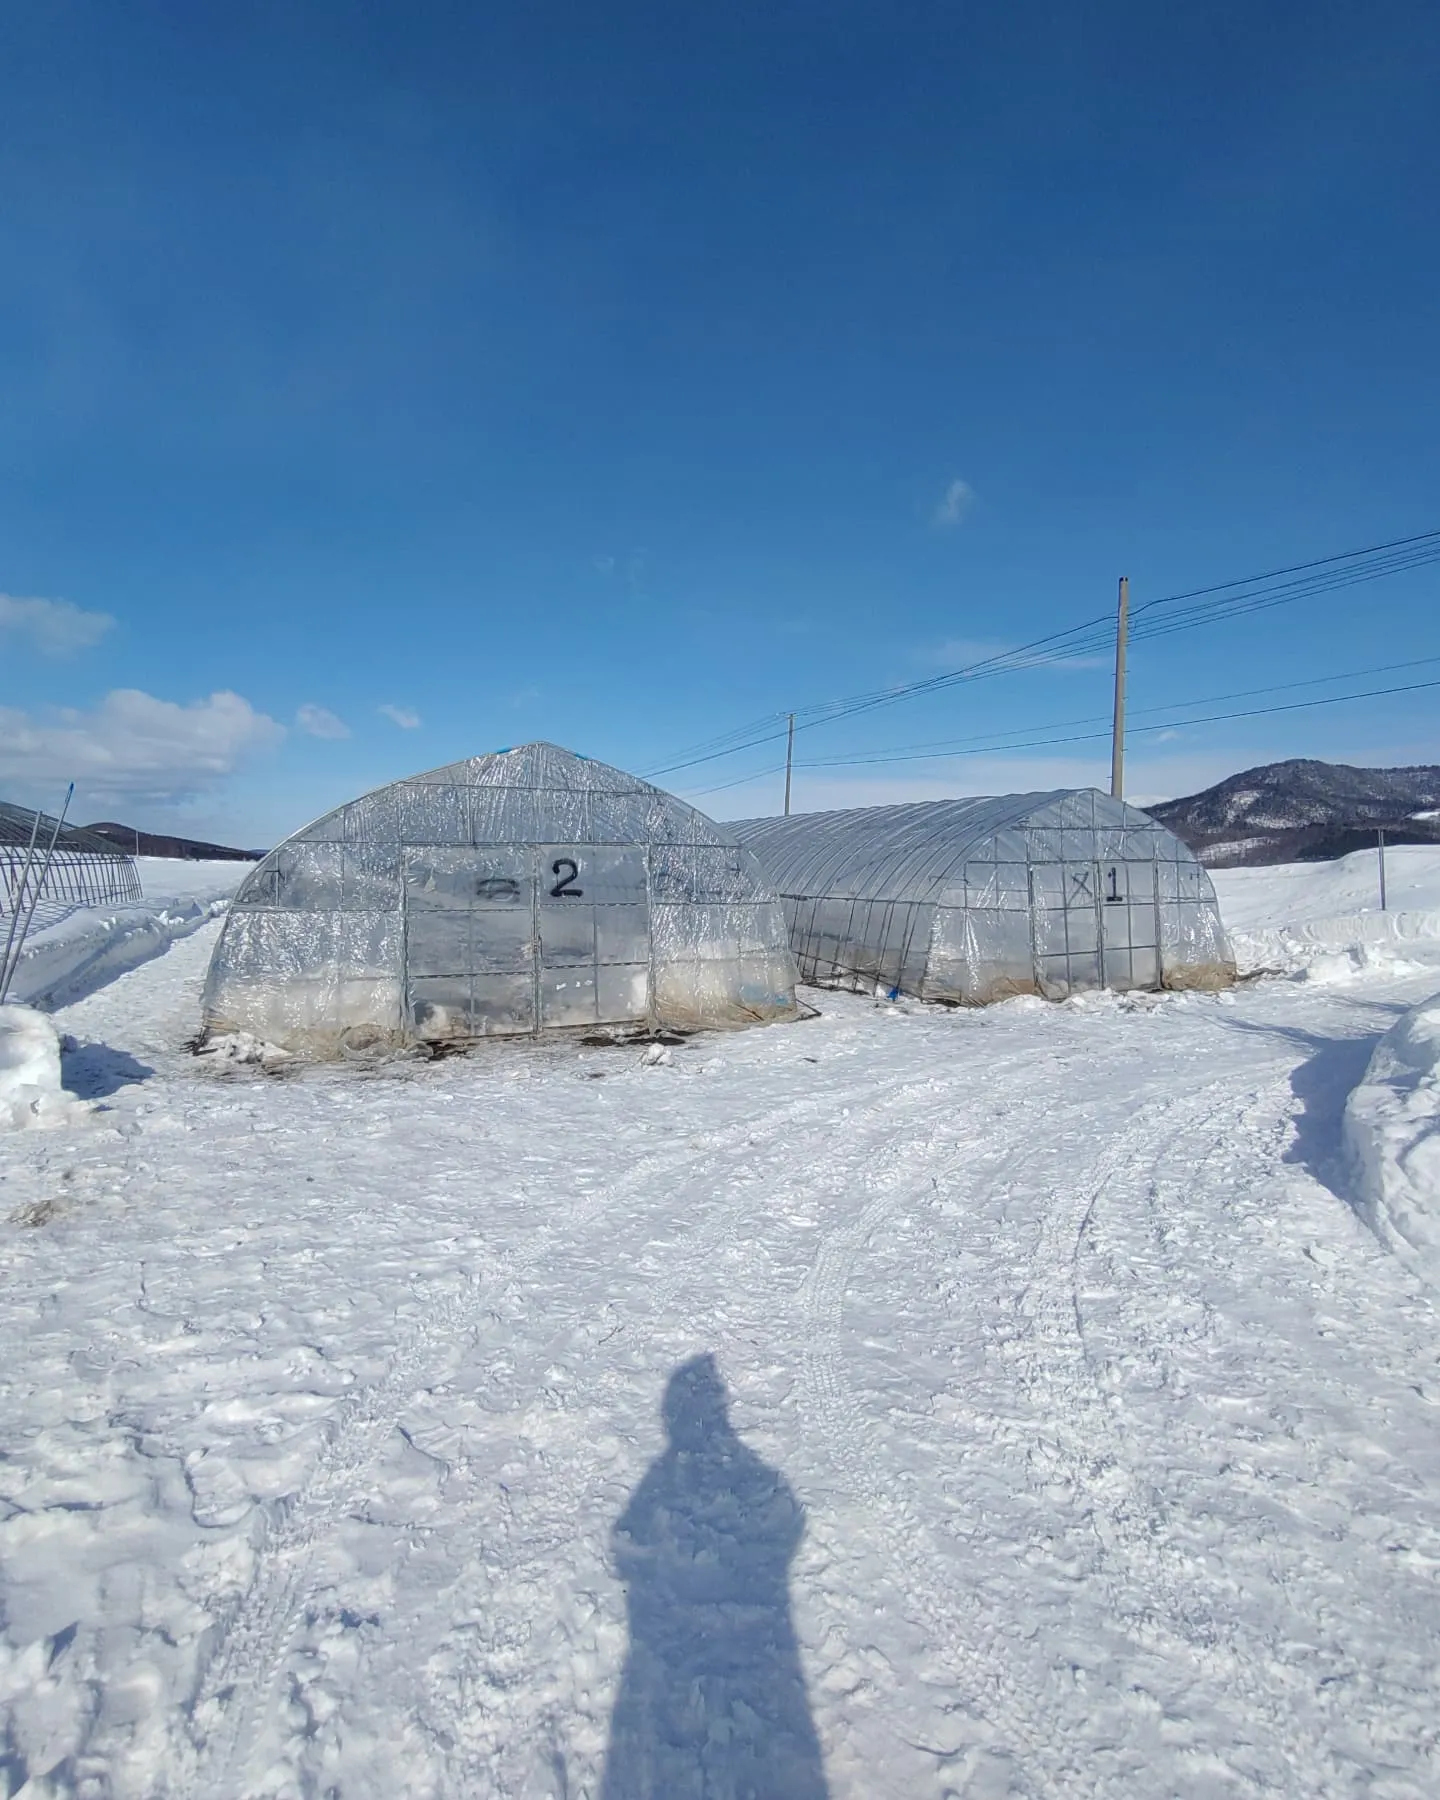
x=973, y=900
x=515, y=893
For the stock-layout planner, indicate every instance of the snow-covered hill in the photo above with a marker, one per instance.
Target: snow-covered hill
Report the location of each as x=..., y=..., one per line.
x=167, y=847
x=924, y=1404
x=1288, y=810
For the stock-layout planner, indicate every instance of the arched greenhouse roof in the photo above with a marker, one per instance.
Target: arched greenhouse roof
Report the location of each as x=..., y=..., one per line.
x=914, y=850
x=492, y=798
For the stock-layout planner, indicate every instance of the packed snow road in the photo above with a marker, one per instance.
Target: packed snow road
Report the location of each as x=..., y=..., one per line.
x=335, y=1462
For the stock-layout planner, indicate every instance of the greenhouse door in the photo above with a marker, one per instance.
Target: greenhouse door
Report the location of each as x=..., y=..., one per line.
x=470, y=941
x=1065, y=927
x=593, y=908
x=1129, y=925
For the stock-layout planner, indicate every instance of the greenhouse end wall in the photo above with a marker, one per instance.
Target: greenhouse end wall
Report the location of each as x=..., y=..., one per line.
x=527, y=891
x=971, y=901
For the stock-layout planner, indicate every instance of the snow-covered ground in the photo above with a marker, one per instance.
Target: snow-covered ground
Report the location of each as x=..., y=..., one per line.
x=1081, y=1436
x=1301, y=893
x=71, y=951
x=1392, y=1131
x=1322, y=921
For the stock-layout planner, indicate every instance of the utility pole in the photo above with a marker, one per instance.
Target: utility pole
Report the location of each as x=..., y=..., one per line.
x=1380, y=846
x=789, y=761
x=1117, y=739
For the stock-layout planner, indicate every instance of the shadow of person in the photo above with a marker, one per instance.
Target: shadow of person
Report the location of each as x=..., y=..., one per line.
x=712, y=1702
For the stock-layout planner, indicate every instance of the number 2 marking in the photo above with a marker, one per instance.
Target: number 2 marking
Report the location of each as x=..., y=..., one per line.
x=567, y=869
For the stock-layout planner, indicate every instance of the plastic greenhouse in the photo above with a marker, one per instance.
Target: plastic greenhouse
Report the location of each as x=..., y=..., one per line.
x=973, y=900
x=522, y=892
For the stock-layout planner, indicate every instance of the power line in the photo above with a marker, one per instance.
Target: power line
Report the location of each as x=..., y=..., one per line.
x=1254, y=712
x=1040, y=743
x=1421, y=537
x=995, y=739
x=1321, y=575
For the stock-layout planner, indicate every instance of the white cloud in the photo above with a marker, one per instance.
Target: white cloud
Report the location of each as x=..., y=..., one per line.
x=953, y=505
x=959, y=653
x=320, y=722
x=630, y=568
x=962, y=653
x=56, y=627
x=403, y=716
x=133, y=746
x=524, y=696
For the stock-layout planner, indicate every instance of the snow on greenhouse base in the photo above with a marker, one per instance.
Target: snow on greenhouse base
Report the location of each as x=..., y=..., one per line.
x=86, y=947
x=1114, y=1426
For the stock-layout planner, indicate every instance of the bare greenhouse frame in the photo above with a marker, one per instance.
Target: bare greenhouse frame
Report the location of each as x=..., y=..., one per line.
x=82, y=870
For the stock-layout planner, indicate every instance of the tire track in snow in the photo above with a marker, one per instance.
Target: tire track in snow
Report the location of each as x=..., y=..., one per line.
x=1260, y=1130
x=256, y=1637
x=256, y=1633
x=1177, y=1615
x=1084, y=1447
x=969, y=1631
x=604, y=1391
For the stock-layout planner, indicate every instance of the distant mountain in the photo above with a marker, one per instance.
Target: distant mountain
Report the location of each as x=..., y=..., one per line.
x=1305, y=811
x=151, y=843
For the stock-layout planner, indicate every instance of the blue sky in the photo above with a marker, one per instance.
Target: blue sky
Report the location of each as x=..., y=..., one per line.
x=601, y=374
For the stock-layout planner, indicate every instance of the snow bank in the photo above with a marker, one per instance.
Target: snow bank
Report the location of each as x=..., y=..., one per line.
x=90, y=946
x=1321, y=921
x=1307, y=892
x=1392, y=1133
x=31, y=1093
x=1337, y=951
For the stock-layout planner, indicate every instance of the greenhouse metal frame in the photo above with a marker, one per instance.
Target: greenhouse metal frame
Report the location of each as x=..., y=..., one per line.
x=82, y=870
x=969, y=901
x=516, y=893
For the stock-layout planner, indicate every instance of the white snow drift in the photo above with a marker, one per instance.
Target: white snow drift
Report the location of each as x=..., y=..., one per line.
x=1322, y=920
x=1392, y=1127
x=31, y=1092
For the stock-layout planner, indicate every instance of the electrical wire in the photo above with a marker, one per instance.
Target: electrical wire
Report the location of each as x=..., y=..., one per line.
x=1169, y=725
x=1086, y=737
x=1221, y=601
x=995, y=740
